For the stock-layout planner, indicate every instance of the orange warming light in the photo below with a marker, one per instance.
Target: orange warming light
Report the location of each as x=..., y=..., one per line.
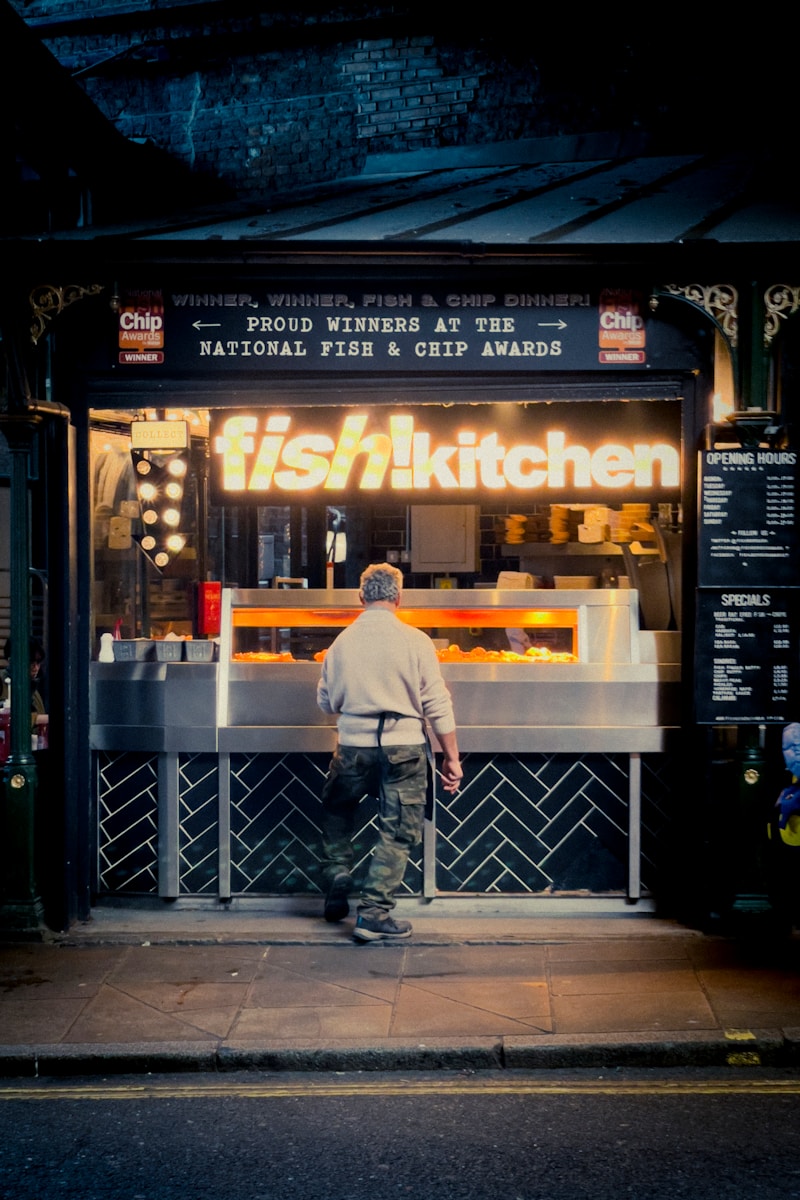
x=421, y=618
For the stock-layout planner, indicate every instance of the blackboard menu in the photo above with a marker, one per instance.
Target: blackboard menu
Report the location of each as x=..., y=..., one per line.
x=747, y=656
x=748, y=512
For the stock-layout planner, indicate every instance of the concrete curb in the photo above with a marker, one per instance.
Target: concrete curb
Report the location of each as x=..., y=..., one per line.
x=766, y=1048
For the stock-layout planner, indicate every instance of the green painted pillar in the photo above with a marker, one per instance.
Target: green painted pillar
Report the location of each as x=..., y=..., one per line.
x=21, y=909
x=753, y=355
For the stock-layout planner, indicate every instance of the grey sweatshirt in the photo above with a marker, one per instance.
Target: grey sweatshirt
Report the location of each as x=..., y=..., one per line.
x=377, y=665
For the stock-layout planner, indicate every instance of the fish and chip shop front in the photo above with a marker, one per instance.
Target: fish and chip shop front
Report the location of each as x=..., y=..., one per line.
x=524, y=452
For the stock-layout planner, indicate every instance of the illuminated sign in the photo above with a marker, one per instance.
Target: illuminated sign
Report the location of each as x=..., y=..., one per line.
x=159, y=435
x=160, y=478
x=448, y=453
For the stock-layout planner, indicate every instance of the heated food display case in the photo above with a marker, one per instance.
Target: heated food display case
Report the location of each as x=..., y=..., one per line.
x=527, y=669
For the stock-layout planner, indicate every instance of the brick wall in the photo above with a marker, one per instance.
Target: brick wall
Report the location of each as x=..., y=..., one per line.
x=268, y=102
x=406, y=98
x=259, y=123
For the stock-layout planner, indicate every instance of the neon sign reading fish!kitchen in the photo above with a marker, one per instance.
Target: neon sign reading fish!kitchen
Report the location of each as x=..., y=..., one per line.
x=407, y=458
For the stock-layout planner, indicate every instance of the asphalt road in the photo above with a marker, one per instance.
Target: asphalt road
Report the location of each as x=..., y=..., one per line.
x=488, y=1135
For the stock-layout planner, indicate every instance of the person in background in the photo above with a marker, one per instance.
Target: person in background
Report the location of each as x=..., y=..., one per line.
x=382, y=680
x=36, y=660
x=783, y=833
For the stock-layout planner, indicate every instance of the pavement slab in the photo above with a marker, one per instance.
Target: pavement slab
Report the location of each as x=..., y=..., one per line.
x=622, y=977
x=425, y=1014
x=39, y=971
x=113, y=1016
x=296, y=967
x=279, y=988
x=27, y=1022
x=507, y=961
x=615, y=1013
x=521, y=1000
x=186, y=964
x=314, y=1022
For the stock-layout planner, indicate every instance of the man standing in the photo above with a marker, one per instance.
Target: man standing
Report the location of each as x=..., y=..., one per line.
x=382, y=680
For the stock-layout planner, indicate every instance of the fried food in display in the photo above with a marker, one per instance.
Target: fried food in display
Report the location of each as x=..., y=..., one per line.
x=264, y=656
x=536, y=654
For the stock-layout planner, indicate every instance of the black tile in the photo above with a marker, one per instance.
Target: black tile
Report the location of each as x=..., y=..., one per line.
x=582, y=862
x=565, y=821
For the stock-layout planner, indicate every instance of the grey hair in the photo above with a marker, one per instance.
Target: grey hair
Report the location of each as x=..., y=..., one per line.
x=381, y=581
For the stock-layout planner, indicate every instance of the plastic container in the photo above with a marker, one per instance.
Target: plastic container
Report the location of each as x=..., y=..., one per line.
x=133, y=649
x=199, y=651
x=169, y=651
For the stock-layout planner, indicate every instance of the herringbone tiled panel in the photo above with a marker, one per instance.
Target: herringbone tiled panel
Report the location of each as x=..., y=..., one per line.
x=127, y=793
x=519, y=824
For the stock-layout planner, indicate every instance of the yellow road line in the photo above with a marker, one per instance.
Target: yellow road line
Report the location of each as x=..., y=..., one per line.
x=205, y=1090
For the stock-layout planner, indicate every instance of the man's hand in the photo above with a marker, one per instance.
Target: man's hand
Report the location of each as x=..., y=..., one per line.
x=452, y=773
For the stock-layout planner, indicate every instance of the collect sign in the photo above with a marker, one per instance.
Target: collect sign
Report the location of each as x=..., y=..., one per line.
x=615, y=451
x=747, y=673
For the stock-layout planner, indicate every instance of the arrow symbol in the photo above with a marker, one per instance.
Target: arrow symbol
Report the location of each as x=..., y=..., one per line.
x=206, y=324
x=552, y=324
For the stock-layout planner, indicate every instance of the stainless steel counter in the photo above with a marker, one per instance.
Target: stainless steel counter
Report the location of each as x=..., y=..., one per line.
x=620, y=696
x=153, y=706
x=610, y=700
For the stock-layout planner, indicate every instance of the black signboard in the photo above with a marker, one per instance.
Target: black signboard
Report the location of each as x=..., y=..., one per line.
x=748, y=513
x=289, y=329
x=748, y=656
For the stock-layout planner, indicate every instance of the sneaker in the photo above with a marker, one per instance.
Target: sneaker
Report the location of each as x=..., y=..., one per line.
x=374, y=929
x=336, y=906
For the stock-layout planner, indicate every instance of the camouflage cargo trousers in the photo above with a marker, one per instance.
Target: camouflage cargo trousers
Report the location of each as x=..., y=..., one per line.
x=397, y=776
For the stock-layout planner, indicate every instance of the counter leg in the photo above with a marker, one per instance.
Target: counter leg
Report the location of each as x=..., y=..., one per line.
x=168, y=802
x=429, y=857
x=224, y=823
x=634, y=827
